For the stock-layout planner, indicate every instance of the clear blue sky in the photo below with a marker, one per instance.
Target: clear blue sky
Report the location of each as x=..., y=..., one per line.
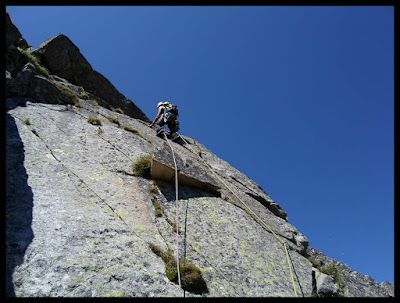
x=300, y=99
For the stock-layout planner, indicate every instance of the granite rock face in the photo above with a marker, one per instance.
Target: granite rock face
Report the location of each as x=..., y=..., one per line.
x=81, y=223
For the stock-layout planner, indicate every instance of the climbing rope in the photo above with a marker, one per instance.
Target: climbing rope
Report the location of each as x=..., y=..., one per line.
x=249, y=209
x=176, y=211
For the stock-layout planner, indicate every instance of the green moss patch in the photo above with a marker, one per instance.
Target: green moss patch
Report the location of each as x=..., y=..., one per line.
x=191, y=277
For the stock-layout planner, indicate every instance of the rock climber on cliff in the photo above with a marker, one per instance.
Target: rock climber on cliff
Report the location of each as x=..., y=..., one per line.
x=167, y=114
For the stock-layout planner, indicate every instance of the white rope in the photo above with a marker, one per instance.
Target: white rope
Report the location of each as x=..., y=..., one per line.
x=176, y=211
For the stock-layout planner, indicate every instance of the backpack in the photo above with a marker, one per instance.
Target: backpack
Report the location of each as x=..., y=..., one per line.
x=171, y=108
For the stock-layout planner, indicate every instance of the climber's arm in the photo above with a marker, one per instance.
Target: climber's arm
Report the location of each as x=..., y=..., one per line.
x=160, y=111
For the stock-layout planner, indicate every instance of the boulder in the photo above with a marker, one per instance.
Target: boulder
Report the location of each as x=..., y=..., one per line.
x=325, y=284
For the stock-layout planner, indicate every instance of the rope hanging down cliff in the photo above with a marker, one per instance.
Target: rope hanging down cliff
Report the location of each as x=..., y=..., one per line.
x=249, y=209
x=176, y=211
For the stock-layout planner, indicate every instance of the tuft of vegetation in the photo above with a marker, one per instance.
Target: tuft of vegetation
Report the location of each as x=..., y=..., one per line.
x=191, y=277
x=315, y=263
x=333, y=270
x=113, y=120
x=94, y=120
x=132, y=130
x=158, y=210
x=72, y=96
x=173, y=225
x=118, y=110
x=227, y=199
x=31, y=58
x=84, y=95
x=159, y=252
x=135, y=131
x=94, y=103
x=99, y=131
x=154, y=189
x=27, y=121
x=141, y=167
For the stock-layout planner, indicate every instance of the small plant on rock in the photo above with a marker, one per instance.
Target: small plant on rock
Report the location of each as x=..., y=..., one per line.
x=84, y=95
x=191, y=277
x=141, y=167
x=113, y=120
x=72, y=96
x=135, y=131
x=173, y=225
x=94, y=120
x=94, y=103
x=31, y=58
x=158, y=210
x=154, y=189
x=333, y=270
x=315, y=263
x=131, y=129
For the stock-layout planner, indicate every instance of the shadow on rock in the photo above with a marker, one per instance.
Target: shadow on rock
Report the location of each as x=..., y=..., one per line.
x=19, y=203
x=184, y=192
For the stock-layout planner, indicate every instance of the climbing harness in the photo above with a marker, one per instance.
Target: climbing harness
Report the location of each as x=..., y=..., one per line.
x=176, y=211
x=249, y=209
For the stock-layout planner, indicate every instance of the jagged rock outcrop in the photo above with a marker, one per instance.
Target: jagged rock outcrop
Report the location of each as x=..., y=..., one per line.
x=14, y=39
x=61, y=57
x=82, y=223
x=64, y=59
x=354, y=284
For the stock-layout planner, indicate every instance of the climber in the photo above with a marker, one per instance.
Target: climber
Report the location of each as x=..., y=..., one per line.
x=167, y=113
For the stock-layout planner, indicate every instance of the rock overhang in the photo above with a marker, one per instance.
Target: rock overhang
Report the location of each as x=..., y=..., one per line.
x=190, y=172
